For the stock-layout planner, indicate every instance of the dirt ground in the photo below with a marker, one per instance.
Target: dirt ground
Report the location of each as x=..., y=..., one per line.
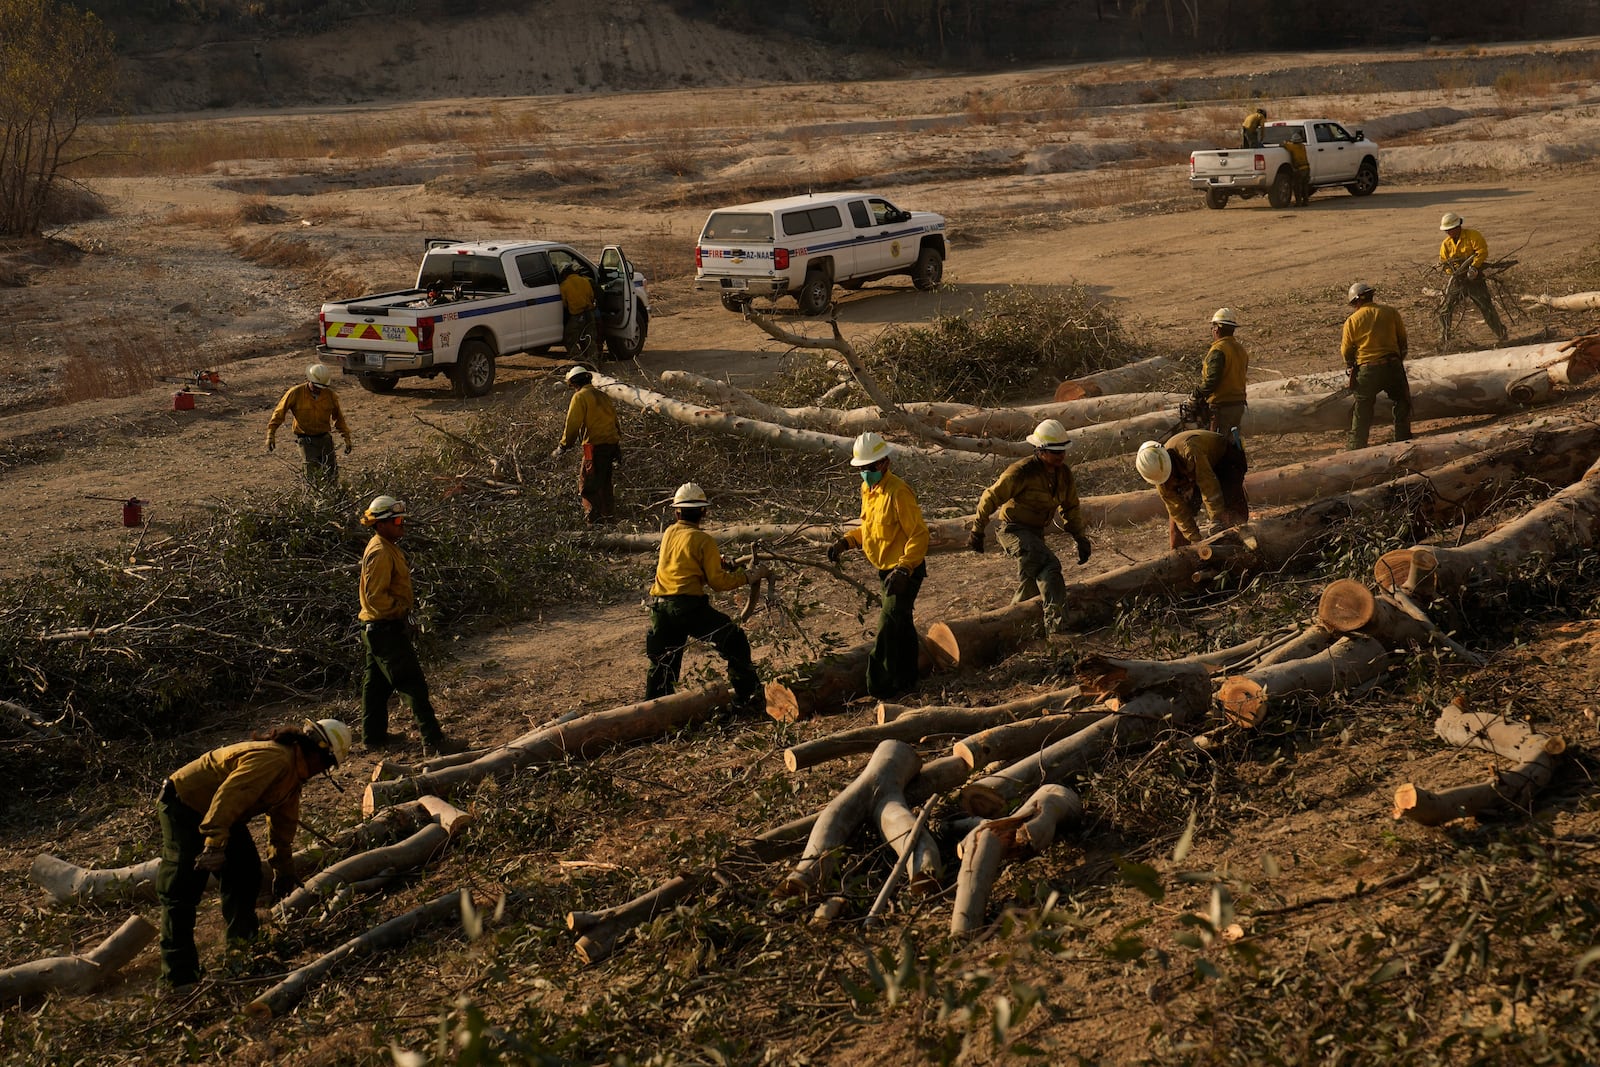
x=1038, y=193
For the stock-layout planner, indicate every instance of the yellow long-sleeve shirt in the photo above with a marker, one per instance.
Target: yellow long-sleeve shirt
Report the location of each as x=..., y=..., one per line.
x=1469, y=242
x=689, y=562
x=1222, y=374
x=590, y=417
x=312, y=414
x=240, y=782
x=577, y=292
x=1196, y=453
x=1373, y=333
x=385, y=581
x=892, y=533
x=1030, y=493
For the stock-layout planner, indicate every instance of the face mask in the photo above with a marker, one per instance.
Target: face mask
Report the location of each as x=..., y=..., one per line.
x=872, y=477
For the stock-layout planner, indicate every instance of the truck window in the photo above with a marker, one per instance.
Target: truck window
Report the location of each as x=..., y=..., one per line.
x=1331, y=133
x=810, y=220
x=883, y=212
x=859, y=214
x=481, y=274
x=535, y=270
x=736, y=226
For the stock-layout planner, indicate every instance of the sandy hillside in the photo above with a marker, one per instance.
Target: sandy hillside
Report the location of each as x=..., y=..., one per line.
x=1047, y=178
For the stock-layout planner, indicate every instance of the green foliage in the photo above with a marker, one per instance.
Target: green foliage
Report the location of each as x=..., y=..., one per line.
x=56, y=70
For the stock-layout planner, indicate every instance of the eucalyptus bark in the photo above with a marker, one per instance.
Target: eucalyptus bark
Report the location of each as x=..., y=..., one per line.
x=81, y=973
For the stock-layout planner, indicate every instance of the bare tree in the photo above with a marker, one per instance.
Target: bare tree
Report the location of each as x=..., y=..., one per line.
x=56, y=69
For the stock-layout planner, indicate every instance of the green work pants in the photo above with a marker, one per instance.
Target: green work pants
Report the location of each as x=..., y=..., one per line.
x=1038, y=571
x=1226, y=417
x=1476, y=290
x=594, y=482
x=892, y=667
x=322, y=464
x=392, y=667
x=1388, y=377
x=676, y=619
x=179, y=886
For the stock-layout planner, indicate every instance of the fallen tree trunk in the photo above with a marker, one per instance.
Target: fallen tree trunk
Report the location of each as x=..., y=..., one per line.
x=829, y=420
x=580, y=738
x=1345, y=664
x=816, y=688
x=1072, y=414
x=80, y=973
x=917, y=856
x=599, y=930
x=1014, y=709
x=892, y=766
x=928, y=722
x=1031, y=829
x=1562, y=366
x=1566, y=522
x=1012, y=741
x=1184, y=702
x=944, y=535
x=395, y=933
x=1129, y=378
x=1101, y=676
x=1570, y=302
x=1348, y=607
x=1533, y=757
x=415, y=851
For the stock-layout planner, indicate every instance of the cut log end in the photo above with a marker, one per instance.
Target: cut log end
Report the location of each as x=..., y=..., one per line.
x=1406, y=569
x=1074, y=391
x=1346, y=606
x=983, y=801
x=1414, y=803
x=943, y=645
x=1243, y=700
x=783, y=705
x=791, y=761
x=1099, y=677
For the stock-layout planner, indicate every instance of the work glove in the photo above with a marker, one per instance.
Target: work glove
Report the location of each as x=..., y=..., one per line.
x=1083, y=549
x=348, y=445
x=211, y=860
x=975, y=542
x=837, y=550
x=283, y=883
x=272, y=443
x=898, y=582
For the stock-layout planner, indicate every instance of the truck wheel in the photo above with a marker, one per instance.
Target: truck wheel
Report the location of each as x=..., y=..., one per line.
x=1282, y=192
x=1216, y=199
x=621, y=347
x=929, y=270
x=378, y=383
x=815, y=294
x=474, y=372
x=1366, y=182
x=735, y=304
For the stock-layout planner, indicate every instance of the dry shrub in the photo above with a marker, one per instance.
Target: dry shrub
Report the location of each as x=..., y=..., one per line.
x=120, y=366
x=290, y=253
x=677, y=154
x=662, y=255
x=70, y=201
x=494, y=213
x=985, y=108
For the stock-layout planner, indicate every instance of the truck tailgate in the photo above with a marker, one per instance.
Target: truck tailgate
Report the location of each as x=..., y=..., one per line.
x=734, y=265
x=1227, y=166
x=368, y=333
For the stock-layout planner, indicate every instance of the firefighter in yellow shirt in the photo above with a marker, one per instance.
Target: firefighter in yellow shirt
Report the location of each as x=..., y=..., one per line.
x=1374, y=345
x=316, y=412
x=582, y=335
x=1250, y=129
x=688, y=569
x=894, y=538
x=592, y=420
x=1463, y=253
x=205, y=809
x=1193, y=468
x=1222, y=375
x=1026, y=499
x=391, y=662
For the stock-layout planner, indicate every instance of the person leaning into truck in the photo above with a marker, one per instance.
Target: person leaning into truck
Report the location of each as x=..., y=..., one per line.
x=1222, y=374
x=1463, y=253
x=1193, y=468
x=1250, y=129
x=316, y=412
x=592, y=419
x=1374, y=348
x=577, y=297
x=1295, y=145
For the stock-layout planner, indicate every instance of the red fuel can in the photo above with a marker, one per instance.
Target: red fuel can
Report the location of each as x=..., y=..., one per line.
x=183, y=400
x=133, y=512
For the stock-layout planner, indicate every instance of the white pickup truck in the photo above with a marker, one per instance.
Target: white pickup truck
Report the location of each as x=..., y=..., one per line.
x=1333, y=155
x=475, y=302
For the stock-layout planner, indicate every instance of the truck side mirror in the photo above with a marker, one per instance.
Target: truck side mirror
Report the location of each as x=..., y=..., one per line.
x=1361, y=135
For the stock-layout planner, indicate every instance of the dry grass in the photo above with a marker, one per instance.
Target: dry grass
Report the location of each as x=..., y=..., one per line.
x=121, y=365
x=254, y=211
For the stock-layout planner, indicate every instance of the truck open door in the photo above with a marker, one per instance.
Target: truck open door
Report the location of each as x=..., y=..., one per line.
x=615, y=293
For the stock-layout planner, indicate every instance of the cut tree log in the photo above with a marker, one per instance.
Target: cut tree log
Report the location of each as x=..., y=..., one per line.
x=1248, y=698
x=1052, y=700
x=944, y=535
x=81, y=973
x=924, y=723
x=892, y=766
x=580, y=738
x=1128, y=378
x=1349, y=607
x=1533, y=756
x=1308, y=642
x=1184, y=702
x=1570, y=302
x=1566, y=522
x=828, y=684
x=395, y=933
x=1072, y=414
x=916, y=854
x=1031, y=829
x=1101, y=676
x=1012, y=741
x=414, y=852
x=598, y=931
x=829, y=420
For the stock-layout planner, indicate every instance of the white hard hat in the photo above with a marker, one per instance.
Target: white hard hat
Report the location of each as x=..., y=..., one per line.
x=579, y=369
x=1153, y=463
x=334, y=735
x=868, y=449
x=1049, y=435
x=381, y=508
x=319, y=374
x=1450, y=221
x=1226, y=316
x=1359, y=291
x=690, y=495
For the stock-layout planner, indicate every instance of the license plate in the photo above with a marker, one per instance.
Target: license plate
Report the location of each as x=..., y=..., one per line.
x=374, y=359
x=735, y=283
x=395, y=333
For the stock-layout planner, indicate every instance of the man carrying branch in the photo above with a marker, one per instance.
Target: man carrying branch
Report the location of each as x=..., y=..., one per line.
x=1463, y=253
